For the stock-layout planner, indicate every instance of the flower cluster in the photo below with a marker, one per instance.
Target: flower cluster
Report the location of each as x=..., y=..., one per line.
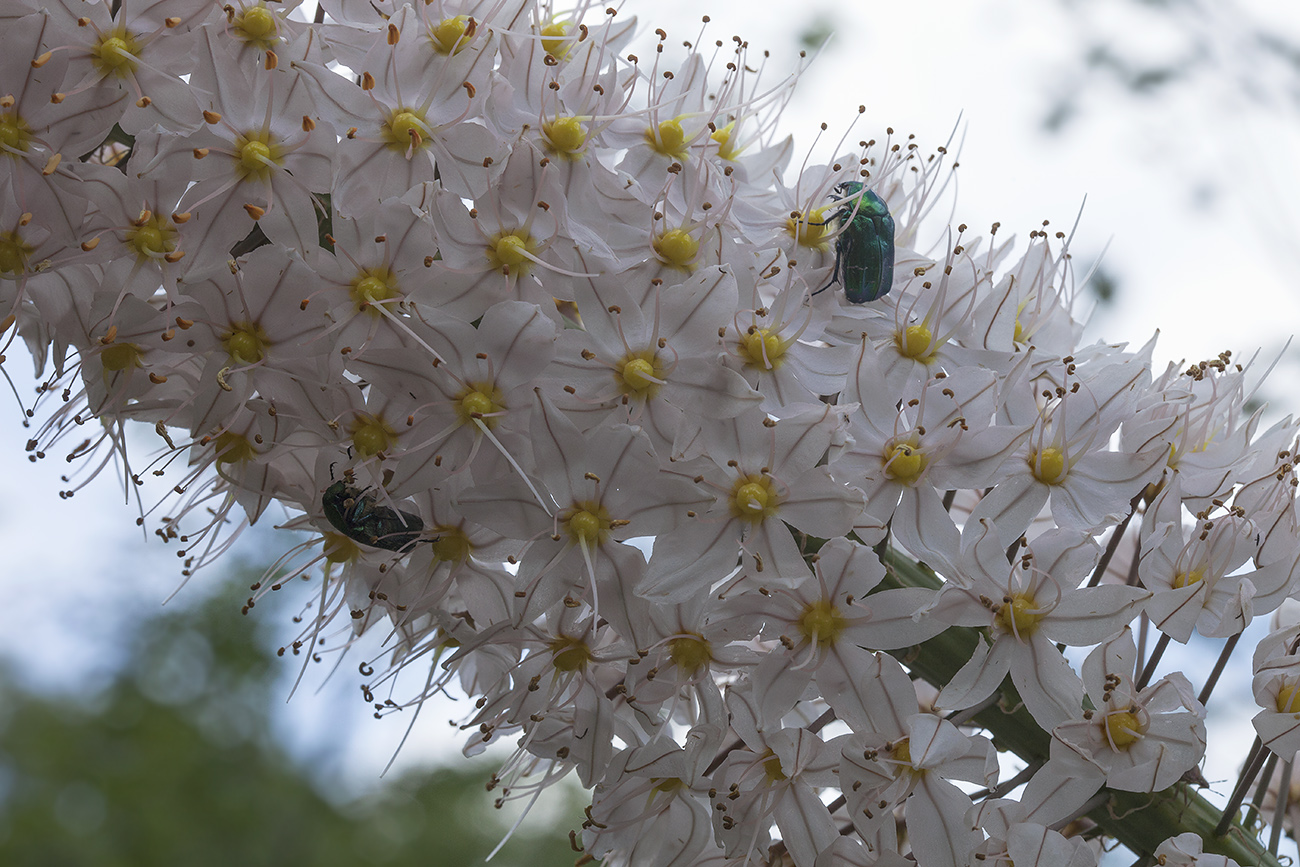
x=540, y=348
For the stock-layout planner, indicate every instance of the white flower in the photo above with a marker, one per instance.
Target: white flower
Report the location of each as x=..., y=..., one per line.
x=1028, y=605
x=1142, y=740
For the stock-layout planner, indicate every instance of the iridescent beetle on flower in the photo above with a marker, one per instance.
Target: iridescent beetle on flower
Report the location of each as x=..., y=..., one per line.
x=864, y=251
x=355, y=514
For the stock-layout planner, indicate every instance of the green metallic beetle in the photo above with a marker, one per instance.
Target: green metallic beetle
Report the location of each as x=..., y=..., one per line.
x=356, y=514
x=864, y=250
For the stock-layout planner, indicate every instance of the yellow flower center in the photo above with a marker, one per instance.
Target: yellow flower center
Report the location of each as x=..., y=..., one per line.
x=233, y=448
x=373, y=286
x=247, y=343
x=1019, y=616
x=904, y=463
x=569, y=654
x=152, y=239
x=565, y=136
x=370, y=435
x=676, y=247
x=1123, y=729
x=772, y=769
x=1049, y=465
x=339, y=548
x=508, y=252
x=588, y=523
x=667, y=785
x=257, y=26
x=452, y=546
x=811, y=229
x=119, y=356
x=1187, y=579
x=726, y=149
x=15, y=134
x=115, y=53
x=14, y=253
x=639, y=375
x=762, y=348
x=481, y=401
x=256, y=156
x=668, y=139
x=690, y=653
x=822, y=622
x=754, y=498
x=407, y=128
x=554, y=36
x=1288, y=700
x=916, y=342
x=901, y=752
x=448, y=35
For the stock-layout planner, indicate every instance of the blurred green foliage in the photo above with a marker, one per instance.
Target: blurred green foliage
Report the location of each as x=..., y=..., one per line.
x=173, y=764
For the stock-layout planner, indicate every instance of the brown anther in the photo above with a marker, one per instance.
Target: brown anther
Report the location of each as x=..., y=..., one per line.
x=367, y=81
x=52, y=164
x=308, y=124
x=200, y=153
x=271, y=61
x=254, y=211
x=87, y=246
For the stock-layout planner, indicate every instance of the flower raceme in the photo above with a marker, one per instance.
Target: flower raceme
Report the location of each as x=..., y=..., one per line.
x=565, y=306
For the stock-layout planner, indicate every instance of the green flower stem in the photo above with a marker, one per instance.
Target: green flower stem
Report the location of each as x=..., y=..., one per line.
x=1139, y=820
